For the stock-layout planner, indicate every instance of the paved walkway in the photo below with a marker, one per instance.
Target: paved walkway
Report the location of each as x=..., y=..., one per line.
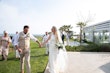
x=75, y=43
x=88, y=62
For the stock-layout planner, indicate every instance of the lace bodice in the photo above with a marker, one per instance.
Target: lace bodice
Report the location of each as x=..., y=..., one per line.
x=52, y=39
x=52, y=44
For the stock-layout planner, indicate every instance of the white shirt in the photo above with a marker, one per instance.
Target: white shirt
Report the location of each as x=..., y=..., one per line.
x=67, y=37
x=31, y=37
x=45, y=38
x=14, y=39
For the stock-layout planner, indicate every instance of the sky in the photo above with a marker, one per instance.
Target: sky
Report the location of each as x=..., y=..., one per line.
x=41, y=15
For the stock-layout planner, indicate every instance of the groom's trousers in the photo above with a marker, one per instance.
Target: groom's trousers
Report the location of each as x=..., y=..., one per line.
x=25, y=56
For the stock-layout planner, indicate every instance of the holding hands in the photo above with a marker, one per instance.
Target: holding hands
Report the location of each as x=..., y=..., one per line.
x=20, y=50
x=42, y=44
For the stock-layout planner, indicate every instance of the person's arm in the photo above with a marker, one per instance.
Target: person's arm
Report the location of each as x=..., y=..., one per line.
x=8, y=42
x=38, y=43
x=16, y=44
x=35, y=39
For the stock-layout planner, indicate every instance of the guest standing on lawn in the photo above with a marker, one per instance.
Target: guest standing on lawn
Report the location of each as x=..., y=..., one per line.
x=63, y=37
x=46, y=36
x=14, y=40
x=5, y=41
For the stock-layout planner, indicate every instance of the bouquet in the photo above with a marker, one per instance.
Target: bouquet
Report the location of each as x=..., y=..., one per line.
x=59, y=45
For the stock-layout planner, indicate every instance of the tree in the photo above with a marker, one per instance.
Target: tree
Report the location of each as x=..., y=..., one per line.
x=81, y=25
x=83, y=22
x=65, y=28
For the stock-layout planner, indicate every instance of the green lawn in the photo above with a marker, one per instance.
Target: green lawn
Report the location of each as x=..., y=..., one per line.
x=38, y=61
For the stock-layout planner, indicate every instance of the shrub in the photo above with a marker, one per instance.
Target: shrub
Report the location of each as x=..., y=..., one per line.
x=91, y=47
x=104, y=47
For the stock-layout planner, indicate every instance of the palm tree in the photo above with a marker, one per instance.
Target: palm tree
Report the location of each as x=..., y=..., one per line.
x=81, y=25
x=84, y=22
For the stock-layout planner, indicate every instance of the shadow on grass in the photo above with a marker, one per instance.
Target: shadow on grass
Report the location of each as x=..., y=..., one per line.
x=40, y=72
x=39, y=56
x=14, y=59
x=11, y=59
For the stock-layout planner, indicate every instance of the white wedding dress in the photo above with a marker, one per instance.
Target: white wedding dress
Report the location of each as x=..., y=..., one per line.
x=57, y=58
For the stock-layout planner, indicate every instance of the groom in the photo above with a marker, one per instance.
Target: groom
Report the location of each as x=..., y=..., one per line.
x=23, y=46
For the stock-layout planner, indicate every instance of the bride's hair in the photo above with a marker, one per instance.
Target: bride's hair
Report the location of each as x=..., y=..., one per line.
x=56, y=34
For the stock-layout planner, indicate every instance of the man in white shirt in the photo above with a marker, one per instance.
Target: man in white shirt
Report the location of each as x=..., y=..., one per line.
x=46, y=36
x=67, y=38
x=14, y=40
x=23, y=46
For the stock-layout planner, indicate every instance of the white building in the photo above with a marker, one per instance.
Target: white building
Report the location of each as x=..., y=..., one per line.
x=98, y=33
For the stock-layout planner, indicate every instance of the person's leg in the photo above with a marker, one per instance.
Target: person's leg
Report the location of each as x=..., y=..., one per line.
x=17, y=54
x=47, y=49
x=63, y=41
x=68, y=41
x=2, y=54
x=27, y=59
x=5, y=53
x=22, y=63
x=15, y=50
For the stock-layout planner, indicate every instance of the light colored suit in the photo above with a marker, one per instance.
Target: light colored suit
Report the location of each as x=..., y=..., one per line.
x=24, y=44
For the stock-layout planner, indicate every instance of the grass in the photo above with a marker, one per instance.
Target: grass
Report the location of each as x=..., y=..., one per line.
x=38, y=61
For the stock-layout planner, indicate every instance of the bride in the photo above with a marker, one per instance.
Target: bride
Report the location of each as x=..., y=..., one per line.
x=57, y=57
